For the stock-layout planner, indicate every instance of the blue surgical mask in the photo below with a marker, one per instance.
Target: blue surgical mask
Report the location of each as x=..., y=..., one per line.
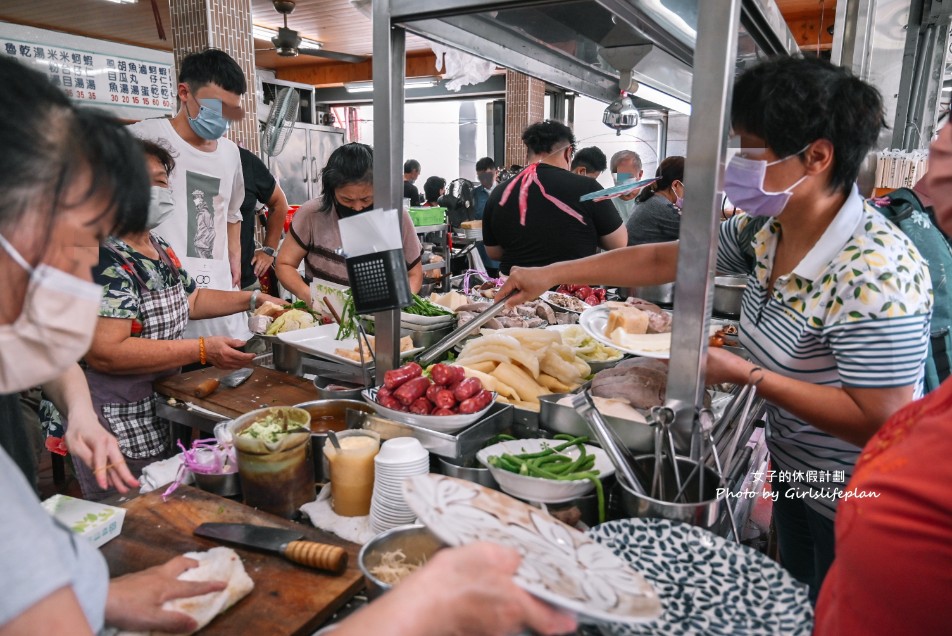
x=209, y=123
x=623, y=177
x=744, y=186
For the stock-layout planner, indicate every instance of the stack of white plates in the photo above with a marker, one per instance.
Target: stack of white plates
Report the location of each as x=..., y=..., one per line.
x=398, y=459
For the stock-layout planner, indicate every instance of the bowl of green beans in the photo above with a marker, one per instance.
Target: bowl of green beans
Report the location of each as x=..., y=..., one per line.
x=548, y=470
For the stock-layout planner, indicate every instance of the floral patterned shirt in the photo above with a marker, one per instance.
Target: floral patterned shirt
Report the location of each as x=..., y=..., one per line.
x=854, y=312
x=120, y=297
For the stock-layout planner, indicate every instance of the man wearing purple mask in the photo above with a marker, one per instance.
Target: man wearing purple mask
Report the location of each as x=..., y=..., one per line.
x=836, y=312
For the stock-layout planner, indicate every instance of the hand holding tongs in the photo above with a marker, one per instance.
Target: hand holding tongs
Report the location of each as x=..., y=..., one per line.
x=455, y=337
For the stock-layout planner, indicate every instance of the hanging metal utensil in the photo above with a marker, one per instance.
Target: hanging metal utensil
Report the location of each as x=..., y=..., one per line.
x=617, y=452
x=732, y=447
x=706, y=426
x=657, y=478
x=434, y=353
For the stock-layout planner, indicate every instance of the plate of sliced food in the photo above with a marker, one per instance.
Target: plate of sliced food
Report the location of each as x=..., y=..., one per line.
x=564, y=302
x=634, y=326
x=321, y=341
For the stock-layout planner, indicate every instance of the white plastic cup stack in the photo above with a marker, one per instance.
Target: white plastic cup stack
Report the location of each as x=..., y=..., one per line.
x=398, y=459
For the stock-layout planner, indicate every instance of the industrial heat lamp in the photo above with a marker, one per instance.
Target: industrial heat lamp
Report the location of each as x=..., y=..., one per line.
x=621, y=114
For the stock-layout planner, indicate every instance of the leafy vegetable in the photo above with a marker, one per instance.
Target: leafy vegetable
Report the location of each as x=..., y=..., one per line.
x=348, y=319
x=423, y=307
x=291, y=321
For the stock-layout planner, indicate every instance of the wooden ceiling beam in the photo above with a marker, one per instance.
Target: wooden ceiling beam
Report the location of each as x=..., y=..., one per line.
x=806, y=28
x=336, y=73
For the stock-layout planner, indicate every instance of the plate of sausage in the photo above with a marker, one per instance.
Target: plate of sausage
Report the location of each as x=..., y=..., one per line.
x=445, y=402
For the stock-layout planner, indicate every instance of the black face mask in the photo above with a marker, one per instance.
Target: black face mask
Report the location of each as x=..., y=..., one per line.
x=343, y=211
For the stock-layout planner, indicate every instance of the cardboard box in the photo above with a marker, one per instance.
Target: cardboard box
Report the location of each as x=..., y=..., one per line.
x=97, y=522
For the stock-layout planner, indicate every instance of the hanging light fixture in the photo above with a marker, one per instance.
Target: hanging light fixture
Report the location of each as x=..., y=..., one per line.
x=621, y=114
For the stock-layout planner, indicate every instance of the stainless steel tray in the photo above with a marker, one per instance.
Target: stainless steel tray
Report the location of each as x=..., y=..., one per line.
x=459, y=445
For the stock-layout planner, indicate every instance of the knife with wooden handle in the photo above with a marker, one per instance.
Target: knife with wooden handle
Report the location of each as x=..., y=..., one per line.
x=287, y=543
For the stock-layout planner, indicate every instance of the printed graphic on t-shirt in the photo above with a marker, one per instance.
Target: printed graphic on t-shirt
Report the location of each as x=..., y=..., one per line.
x=202, y=190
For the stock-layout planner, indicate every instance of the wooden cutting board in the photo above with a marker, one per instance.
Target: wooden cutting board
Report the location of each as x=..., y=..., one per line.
x=287, y=598
x=265, y=387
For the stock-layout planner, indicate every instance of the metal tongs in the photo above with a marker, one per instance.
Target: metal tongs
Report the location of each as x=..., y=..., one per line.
x=704, y=429
x=625, y=464
x=455, y=337
x=661, y=417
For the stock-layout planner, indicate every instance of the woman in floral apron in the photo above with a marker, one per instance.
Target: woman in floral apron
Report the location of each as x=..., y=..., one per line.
x=147, y=301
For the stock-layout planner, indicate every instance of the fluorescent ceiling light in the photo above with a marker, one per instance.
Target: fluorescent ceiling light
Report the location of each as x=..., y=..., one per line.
x=655, y=96
x=123, y=1
x=266, y=33
x=367, y=86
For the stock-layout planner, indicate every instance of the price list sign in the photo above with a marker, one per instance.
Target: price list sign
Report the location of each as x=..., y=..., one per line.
x=126, y=79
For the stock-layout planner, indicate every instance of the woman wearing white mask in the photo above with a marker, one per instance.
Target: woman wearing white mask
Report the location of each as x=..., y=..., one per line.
x=146, y=301
x=657, y=217
x=837, y=307
x=69, y=178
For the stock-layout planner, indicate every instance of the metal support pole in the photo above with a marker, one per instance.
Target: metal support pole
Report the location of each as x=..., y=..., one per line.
x=715, y=56
x=389, y=73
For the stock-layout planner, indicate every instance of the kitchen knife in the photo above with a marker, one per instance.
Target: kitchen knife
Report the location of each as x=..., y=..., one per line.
x=234, y=379
x=287, y=543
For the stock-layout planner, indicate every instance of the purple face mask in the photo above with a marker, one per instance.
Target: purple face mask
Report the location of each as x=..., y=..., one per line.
x=744, y=186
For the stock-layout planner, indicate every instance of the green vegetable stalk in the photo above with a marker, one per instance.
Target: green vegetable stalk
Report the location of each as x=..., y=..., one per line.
x=550, y=464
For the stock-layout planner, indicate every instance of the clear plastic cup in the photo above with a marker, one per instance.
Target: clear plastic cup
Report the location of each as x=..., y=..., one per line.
x=352, y=471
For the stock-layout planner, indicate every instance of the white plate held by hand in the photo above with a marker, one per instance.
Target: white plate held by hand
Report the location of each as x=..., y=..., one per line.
x=560, y=565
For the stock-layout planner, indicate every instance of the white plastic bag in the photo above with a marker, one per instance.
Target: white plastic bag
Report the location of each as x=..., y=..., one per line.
x=461, y=68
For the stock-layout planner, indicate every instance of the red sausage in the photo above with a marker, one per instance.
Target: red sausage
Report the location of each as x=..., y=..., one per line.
x=421, y=406
x=432, y=391
x=383, y=392
x=442, y=374
x=476, y=403
x=442, y=412
x=410, y=391
x=445, y=399
x=459, y=374
x=391, y=403
x=467, y=389
x=397, y=377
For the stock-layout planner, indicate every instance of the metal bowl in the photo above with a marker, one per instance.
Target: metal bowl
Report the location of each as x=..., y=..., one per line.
x=701, y=511
x=728, y=292
x=658, y=294
x=417, y=543
x=564, y=419
x=325, y=392
x=470, y=470
x=224, y=484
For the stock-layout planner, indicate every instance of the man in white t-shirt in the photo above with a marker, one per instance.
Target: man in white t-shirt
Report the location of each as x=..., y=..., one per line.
x=207, y=183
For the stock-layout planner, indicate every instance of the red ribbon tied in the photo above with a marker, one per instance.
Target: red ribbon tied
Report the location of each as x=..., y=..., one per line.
x=527, y=177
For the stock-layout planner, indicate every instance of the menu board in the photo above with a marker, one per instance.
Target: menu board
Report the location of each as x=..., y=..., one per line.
x=133, y=82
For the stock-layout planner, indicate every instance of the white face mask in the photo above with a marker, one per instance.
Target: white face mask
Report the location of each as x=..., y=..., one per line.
x=161, y=205
x=54, y=328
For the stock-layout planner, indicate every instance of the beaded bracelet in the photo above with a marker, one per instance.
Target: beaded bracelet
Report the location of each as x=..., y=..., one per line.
x=201, y=350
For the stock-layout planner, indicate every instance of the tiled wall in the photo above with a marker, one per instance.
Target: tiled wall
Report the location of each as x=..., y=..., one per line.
x=225, y=25
x=525, y=104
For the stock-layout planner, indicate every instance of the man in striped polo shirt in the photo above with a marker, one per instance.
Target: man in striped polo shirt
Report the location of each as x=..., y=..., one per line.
x=838, y=302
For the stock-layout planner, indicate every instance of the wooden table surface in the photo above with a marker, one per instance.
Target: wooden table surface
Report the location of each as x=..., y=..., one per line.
x=265, y=387
x=287, y=598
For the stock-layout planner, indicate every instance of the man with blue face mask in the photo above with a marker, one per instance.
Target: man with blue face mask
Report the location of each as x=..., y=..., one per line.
x=207, y=186
x=626, y=165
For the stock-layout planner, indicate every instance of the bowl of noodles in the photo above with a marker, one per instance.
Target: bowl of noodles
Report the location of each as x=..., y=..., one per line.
x=393, y=555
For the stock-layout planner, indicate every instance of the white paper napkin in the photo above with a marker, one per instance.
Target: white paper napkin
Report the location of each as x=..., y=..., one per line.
x=370, y=232
x=354, y=529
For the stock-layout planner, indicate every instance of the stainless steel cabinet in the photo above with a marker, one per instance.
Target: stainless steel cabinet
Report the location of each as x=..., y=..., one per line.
x=298, y=167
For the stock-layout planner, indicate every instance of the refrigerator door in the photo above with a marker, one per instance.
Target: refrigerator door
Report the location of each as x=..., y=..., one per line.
x=321, y=144
x=292, y=168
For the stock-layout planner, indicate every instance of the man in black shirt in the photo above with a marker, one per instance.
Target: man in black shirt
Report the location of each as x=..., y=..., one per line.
x=551, y=225
x=411, y=172
x=260, y=186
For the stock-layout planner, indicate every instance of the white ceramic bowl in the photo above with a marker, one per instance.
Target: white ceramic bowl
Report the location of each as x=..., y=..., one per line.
x=401, y=451
x=438, y=423
x=537, y=488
